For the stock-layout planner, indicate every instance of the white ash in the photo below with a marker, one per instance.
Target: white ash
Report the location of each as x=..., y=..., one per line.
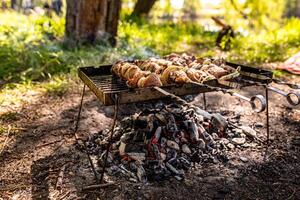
x=164, y=142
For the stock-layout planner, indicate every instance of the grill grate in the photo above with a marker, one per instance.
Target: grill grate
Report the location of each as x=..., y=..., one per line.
x=105, y=85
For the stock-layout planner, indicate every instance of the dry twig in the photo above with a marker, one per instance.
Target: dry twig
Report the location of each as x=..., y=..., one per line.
x=92, y=187
x=48, y=143
x=59, y=182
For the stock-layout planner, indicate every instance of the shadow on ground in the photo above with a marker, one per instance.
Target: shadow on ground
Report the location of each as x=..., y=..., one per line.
x=31, y=164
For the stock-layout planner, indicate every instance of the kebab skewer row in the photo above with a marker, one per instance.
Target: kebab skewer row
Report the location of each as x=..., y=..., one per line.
x=173, y=74
x=178, y=76
x=196, y=70
x=134, y=76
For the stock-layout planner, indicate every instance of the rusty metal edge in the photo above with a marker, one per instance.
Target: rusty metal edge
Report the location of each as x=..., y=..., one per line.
x=100, y=95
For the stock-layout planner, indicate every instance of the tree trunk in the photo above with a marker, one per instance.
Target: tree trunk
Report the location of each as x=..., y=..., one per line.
x=297, y=9
x=292, y=8
x=13, y=4
x=143, y=7
x=86, y=19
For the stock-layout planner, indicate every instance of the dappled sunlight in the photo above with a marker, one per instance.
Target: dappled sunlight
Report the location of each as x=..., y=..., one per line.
x=44, y=43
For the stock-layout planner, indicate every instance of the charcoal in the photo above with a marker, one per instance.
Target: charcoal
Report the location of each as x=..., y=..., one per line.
x=238, y=141
x=141, y=174
x=201, y=144
x=137, y=156
x=172, y=145
x=166, y=141
x=248, y=131
x=133, y=167
x=185, y=149
x=172, y=169
x=171, y=154
x=109, y=160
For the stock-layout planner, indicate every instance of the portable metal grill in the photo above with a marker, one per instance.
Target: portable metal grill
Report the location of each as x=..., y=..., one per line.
x=105, y=85
x=111, y=90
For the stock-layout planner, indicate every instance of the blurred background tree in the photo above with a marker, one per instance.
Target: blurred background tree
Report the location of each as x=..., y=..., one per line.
x=86, y=20
x=292, y=8
x=191, y=9
x=143, y=7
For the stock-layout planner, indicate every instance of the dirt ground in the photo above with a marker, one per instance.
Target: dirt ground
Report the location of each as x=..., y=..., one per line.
x=42, y=142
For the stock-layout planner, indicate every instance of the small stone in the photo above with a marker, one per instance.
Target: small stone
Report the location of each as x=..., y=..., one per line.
x=141, y=174
x=224, y=141
x=178, y=178
x=244, y=159
x=201, y=144
x=237, y=131
x=215, y=136
x=189, y=98
x=215, y=161
x=108, y=110
x=137, y=156
x=172, y=145
x=238, y=141
x=249, y=131
x=230, y=146
x=199, y=118
x=133, y=180
x=258, y=125
x=185, y=149
x=163, y=156
x=230, y=135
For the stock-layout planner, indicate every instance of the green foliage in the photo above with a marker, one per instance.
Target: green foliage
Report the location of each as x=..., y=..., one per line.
x=57, y=86
x=32, y=49
x=26, y=48
x=267, y=46
x=32, y=46
x=166, y=37
x=260, y=14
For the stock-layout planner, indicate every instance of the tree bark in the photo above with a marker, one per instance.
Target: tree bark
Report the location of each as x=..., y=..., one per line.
x=13, y=4
x=292, y=8
x=297, y=9
x=143, y=7
x=86, y=19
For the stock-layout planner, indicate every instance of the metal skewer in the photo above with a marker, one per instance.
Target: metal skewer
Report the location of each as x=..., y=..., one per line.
x=291, y=85
x=292, y=97
x=251, y=100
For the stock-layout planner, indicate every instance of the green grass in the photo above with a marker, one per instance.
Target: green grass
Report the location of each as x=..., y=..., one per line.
x=267, y=46
x=32, y=49
x=167, y=37
x=32, y=46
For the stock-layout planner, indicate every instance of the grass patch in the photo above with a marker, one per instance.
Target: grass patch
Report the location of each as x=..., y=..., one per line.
x=267, y=46
x=32, y=50
x=57, y=86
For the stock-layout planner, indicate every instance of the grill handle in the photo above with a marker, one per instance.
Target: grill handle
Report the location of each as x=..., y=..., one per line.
x=292, y=97
x=291, y=85
x=252, y=100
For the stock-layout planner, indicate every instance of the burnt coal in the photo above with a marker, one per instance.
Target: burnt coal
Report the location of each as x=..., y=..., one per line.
x=165, y=142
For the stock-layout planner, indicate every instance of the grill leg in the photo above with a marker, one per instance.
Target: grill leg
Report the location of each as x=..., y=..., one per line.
x=204, y=101
x=77, y=138
x=80, y=108
x=116, y=109
x=267, y=117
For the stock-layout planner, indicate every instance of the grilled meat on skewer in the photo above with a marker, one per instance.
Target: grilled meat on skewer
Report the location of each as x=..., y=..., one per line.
x=173, y=68
x=134, y=76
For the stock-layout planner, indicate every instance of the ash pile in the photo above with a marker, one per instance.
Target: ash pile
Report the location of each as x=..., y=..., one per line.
x=165, y=142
